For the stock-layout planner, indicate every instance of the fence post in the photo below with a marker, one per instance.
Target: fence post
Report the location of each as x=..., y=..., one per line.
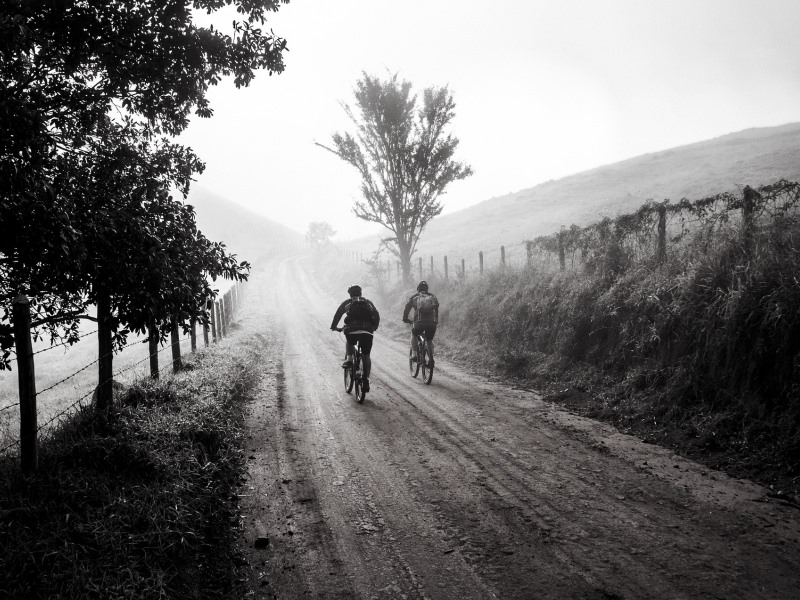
x=21, y=315
x=431, y=277
x=529, y=252
x=205, y=335
x=748, y=222
x=661, y=248
x=105, y=350
x=503, y=256
x=480, y=260
x=176, y=345
x=562, y=261
x=212, y=316
x=222, y=311
x=463, y=270
x=193, y=335
x=446, y=276
x=152, y=347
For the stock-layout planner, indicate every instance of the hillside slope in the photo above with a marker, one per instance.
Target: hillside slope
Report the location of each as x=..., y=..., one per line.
x=750, y=157
x=245, y=233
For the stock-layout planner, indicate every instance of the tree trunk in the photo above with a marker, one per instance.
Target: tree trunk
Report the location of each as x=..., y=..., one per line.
x=405, y=259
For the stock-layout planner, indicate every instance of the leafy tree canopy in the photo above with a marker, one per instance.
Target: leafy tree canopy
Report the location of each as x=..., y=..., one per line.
x=319, y=232
x=405, y=157
x=88, y=86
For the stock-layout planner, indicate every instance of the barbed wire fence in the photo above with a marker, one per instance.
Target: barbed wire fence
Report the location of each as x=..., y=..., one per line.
x=221, y=315
x=656, y=232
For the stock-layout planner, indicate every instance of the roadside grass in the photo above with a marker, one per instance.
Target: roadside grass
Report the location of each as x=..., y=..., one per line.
x=138, y=505
x=701, y=356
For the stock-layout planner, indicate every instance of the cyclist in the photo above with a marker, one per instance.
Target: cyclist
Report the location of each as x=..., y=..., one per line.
x=426, y=316
x=361, y=319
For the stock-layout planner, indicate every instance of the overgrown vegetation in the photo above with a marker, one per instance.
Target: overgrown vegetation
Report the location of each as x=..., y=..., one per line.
x=700, y=353
x=139, y=504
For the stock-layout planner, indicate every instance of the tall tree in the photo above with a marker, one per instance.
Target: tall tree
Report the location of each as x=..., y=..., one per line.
x=404, y=155
x=65, y=67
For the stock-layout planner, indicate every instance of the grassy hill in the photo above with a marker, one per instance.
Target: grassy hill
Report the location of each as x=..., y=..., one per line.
x=753, y=157
x=247, y=234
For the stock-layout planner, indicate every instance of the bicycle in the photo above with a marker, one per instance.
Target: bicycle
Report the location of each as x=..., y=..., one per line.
x=354, y=374
x=425, y=360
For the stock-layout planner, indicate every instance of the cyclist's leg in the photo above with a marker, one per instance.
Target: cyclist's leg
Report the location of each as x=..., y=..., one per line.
x=415, y=341
x=348, y=349
x=365, y=341
x=430, y=331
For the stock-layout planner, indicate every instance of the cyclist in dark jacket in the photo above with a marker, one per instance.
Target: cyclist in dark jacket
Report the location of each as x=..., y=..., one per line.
x=426, y=317
x=360, y=321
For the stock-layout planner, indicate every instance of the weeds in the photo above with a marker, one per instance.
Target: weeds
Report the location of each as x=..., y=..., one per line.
x=138, y=505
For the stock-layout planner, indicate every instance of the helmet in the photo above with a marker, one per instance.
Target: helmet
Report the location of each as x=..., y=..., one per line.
x=354, y=290
x=422, y=286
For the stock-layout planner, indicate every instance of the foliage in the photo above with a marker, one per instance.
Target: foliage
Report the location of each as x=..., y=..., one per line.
x=319, y=232
x=404, y=157
x=84, y=198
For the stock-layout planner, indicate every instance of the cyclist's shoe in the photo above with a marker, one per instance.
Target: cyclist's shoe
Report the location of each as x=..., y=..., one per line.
x=347, y=363
x=414, y=358
x=366, y=385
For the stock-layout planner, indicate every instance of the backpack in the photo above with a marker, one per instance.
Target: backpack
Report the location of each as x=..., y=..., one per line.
x=359, y=311
x=426, y=307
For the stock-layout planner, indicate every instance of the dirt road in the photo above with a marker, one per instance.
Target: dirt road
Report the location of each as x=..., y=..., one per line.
x=467, y=489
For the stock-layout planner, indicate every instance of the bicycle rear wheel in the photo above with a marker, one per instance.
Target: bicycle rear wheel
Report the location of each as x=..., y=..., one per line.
x=359, y=377
x=427, y=364
x=413, y=366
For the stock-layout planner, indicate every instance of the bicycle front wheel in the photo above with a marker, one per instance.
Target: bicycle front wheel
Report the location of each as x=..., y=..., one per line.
x=427, y=364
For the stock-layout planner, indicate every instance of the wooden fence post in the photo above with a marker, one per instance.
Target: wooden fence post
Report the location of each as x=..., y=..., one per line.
x=503, y=256
x=562, y=261
x=21, y=314
x=205, y=335
x=212, y=315
x=176, y=345
x=446, y=276
x=661, y=246
x=463, y=270
x=748, y=221
x=222, y=310
x=431, y=276
x=152, y=347
x=480, y=260
x=105, y=350
x=529, y=252
x=193, y=335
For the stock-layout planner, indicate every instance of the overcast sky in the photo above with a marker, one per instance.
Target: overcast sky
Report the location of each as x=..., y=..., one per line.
x=543, y=89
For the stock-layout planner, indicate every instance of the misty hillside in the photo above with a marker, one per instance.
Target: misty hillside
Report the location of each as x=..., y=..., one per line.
x=245, y=233
x=750, y=157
